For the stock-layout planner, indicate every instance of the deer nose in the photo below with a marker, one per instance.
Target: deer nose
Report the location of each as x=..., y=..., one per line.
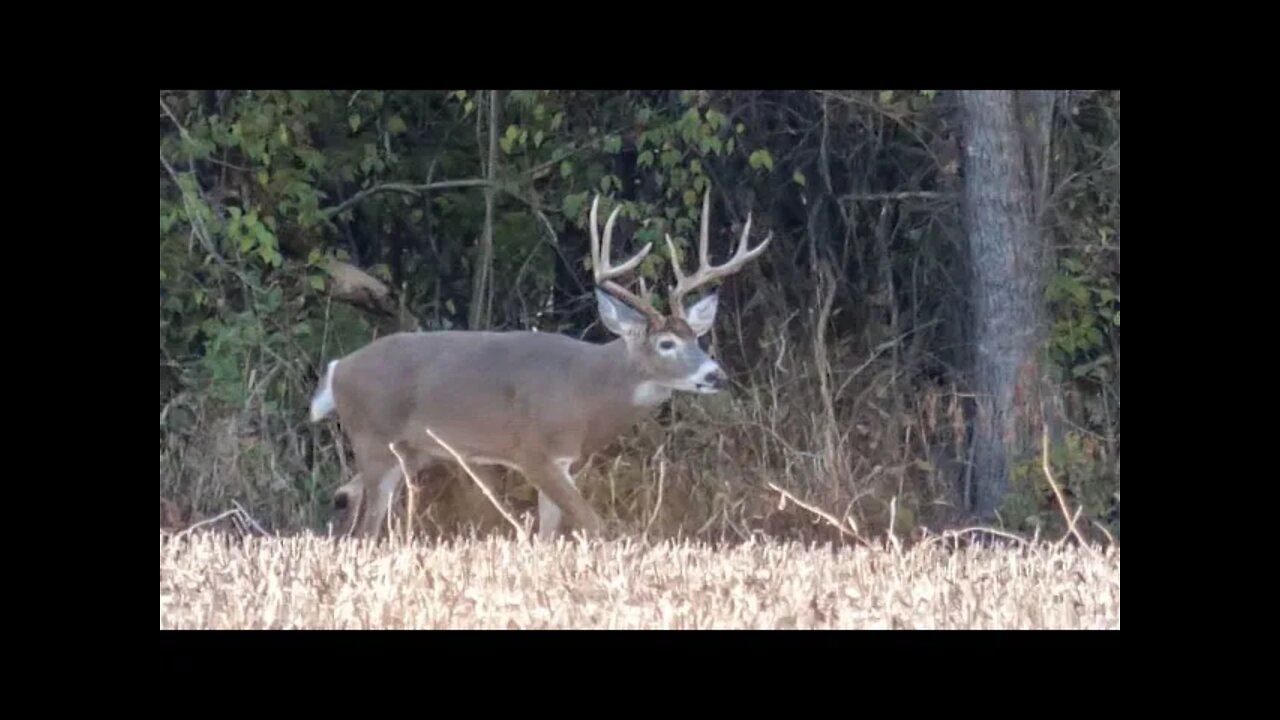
x=717, y=380
x=341, y=501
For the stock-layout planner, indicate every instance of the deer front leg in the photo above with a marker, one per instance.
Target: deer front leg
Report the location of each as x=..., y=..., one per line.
x=558, y=493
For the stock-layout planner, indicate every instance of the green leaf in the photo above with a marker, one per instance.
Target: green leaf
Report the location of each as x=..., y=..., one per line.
x=566, y=169
x=397, y=125
x=690, y=198
x=695, y=167
x=645, y=159
x=354, y=121
x=513, y=132
x=929, y=93
x=1117, y=320
x=729, y=145
x=537, y=139
x=761, y=158
x=886, y=97
x=270, y=256
x=1094, y=336
x=317, y=282
x=613, y=144
x=263, y=178
x=505, y=144
x=573, y=204
x=799, y=178
x=740, y=128
x=468, y=107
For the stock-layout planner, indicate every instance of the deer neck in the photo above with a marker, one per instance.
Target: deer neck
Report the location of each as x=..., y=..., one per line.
x=630, y=379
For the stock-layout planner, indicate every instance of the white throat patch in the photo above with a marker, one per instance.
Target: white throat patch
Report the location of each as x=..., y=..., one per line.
x=648, y=394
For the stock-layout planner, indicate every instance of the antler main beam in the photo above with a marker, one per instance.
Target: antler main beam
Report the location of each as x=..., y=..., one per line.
x=604, y=269
x=707, y=272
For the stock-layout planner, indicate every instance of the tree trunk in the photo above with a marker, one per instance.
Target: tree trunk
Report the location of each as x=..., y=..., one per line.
x=1006, y=255
x=481, y=292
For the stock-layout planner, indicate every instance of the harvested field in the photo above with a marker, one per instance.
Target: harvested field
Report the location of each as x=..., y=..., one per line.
x=216, y=581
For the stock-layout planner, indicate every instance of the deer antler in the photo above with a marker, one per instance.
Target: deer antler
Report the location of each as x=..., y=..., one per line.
x=706, y=271
x=603, y=267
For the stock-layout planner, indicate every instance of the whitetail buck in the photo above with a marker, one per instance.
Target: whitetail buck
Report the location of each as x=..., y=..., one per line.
x=538, y=403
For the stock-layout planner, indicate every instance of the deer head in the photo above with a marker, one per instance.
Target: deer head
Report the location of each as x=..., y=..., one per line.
x=666, y=347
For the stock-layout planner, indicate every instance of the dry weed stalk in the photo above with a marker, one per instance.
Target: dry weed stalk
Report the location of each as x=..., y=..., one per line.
x=1057, y=492
x=495, y=583
x=411, y=496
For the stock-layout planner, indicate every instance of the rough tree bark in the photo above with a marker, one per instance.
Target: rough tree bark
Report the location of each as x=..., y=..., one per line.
x=1006, y=254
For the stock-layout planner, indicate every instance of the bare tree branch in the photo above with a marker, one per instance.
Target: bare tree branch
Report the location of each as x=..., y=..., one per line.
x=404, y=188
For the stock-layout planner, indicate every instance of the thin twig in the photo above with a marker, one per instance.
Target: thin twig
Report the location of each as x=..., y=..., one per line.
x=520, y=532
x=965, y=531
x=208, y=521
x=662, y=474
x=905, y=195
x=1104, y=530
x=182, y=130
x=831, y=519
x=1057, y=492
x=249, y=518
x=403, y=188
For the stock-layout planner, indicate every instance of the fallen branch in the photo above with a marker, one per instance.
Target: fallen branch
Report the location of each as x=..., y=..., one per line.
x=831, y=519
x=208, y=521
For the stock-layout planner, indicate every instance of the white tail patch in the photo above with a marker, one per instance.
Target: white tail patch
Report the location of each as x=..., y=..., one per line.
x=322, y=401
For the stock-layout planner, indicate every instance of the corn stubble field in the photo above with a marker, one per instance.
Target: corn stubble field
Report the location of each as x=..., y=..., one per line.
x=210, y=580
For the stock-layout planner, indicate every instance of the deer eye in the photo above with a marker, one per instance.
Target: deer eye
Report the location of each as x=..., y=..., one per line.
x=667, y=344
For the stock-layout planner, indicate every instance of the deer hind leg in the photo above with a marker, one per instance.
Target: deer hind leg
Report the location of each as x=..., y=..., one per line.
x=379, y=487
x=346, y=505
x=557, y=494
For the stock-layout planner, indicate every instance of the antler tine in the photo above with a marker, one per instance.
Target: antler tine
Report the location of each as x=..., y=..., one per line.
x=604, y=269
x=706, y=271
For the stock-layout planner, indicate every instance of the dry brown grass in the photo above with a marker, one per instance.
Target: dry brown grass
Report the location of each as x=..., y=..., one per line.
x=211, y=580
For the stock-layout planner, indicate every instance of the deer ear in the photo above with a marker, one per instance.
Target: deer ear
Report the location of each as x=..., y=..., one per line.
x=702, y=314
x=620, y=318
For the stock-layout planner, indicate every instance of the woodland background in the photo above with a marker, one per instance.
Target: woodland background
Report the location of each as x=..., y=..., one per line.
x=939, y=305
